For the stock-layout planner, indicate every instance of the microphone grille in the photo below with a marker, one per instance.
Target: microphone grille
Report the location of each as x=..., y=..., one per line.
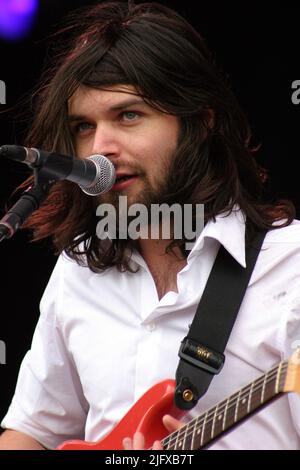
x=105, y=176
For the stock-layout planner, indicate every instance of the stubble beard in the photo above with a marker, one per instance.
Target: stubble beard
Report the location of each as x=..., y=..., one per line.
x=147, y=195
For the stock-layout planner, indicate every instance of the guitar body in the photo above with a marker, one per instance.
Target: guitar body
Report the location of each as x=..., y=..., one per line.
x=145, y=416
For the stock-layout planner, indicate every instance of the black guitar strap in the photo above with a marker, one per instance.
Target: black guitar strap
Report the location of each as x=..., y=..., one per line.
x=202, y=350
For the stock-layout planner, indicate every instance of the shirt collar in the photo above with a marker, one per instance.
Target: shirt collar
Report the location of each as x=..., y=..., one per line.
x=229, y=230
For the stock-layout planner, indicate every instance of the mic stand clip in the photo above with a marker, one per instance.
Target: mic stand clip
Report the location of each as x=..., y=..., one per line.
x=29, y=202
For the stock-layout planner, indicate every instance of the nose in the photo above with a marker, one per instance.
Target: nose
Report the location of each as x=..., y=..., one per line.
x=106, y=142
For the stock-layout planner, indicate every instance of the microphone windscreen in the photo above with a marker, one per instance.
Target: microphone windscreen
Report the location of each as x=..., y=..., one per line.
x=105, y=177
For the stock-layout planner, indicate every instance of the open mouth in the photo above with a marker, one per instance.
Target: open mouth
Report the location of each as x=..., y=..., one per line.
x=120, y=179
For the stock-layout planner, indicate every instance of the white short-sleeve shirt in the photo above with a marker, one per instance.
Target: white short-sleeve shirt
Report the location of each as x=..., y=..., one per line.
x=104, y=338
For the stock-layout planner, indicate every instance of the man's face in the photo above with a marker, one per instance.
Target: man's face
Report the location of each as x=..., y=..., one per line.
x=139, y=140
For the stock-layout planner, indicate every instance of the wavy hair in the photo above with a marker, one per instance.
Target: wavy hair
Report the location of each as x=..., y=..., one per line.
x=157, y=51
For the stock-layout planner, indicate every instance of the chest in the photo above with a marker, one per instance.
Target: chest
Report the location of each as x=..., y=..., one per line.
x=118, y=357
x=165, y=276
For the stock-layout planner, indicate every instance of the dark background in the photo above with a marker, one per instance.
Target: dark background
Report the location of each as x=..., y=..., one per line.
x=257, y=48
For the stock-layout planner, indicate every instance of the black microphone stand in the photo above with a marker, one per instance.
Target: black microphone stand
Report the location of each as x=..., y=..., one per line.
x=30, y=201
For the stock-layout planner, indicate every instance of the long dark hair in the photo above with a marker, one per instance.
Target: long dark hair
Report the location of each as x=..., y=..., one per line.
x=157, y=51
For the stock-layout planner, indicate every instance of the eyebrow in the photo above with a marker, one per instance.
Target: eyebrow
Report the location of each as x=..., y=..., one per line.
x=114, y=108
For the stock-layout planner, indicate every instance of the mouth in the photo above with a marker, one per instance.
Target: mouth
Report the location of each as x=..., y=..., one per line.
x=123, y=181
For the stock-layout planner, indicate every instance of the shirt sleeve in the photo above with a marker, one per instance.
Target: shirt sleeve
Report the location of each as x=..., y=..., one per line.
x=48, y=403
x=289, y=337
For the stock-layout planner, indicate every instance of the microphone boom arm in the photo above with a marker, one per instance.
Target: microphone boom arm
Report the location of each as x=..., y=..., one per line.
x=29, y=202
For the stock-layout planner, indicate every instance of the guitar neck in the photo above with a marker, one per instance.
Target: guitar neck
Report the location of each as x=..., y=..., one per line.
x=202, y=431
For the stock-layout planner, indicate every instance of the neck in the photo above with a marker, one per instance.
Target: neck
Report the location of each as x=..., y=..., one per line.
x=154, y=254
x=153, y=248
x=163, y=266
x=156, y=247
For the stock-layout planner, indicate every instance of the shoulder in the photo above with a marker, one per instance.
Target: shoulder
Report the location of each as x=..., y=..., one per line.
x=280, y=255
x=285, y=235
x=283, y=242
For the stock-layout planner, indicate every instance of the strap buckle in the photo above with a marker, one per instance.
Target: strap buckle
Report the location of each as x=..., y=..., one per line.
x=201, y=356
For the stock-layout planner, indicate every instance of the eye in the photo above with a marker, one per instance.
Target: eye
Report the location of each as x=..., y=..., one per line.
x=130, y=116
x=81, y=127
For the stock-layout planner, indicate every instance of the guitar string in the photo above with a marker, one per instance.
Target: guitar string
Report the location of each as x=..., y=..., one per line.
x=207, y=417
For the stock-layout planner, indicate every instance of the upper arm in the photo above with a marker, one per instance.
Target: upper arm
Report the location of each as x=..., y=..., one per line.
x=48, y=403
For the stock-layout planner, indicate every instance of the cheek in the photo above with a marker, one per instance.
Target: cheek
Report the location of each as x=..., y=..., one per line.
x=83, y=149
x=156, y=144
x=167, y=137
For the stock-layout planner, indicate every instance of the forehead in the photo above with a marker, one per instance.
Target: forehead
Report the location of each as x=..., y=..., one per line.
x=84, y=97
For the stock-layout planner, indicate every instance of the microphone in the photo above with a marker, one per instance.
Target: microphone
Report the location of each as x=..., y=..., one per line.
x=94, y=175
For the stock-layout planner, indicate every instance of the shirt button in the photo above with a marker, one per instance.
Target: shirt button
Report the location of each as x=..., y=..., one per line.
x=151, y=326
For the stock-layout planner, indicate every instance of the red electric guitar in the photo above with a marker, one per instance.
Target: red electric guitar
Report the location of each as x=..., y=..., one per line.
x=146, y=415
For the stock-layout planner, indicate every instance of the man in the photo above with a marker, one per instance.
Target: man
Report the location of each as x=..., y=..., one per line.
x=137, y=84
